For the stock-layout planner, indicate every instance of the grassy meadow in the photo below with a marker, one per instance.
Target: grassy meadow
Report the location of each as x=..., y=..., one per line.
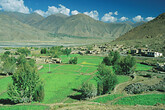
x=64, y=79
x=149, y=99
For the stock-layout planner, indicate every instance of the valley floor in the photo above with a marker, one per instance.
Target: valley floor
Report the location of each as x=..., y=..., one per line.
x=64, y=81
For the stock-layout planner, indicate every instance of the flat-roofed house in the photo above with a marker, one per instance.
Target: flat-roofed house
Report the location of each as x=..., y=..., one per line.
x=154, y=54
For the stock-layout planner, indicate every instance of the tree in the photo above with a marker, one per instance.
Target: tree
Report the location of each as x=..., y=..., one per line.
x=126, y=66
x=9, y=65
x=73, y=60
x=7, y=53
x=112, y=58
x=107, y=61
x=21, y=60
x=43, y=51
x=67, y=51
x=55, y=51
x=0, y=66
x=106, y=80
x=88, y=90
x=116, y=58
x=25, y=84
x=24, y=51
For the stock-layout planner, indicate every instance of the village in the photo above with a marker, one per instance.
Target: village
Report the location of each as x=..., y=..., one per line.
x=93, y=50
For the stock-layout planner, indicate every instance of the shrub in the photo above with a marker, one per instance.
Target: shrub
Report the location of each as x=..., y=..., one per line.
x=136, y=88
x=88, y=90
x=7, y=53
x=43, y=51
x=73, y=60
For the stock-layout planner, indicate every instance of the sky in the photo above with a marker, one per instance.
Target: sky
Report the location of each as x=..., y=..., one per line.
x=103, y=10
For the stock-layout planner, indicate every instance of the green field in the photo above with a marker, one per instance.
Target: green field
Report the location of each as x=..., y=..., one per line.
x=150, y=99
x=106, y=99
x=121, y=78
x=25, y=107
x=64, y=78
x=141, y=67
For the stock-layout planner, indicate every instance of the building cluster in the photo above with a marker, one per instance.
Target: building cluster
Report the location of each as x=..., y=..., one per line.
x=97, y=49
x=146, y=52
x=47, y=59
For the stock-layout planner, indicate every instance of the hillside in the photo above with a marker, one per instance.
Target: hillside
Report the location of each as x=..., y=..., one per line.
x=51, y=23
x=69, y=29
x=24, y=18
x=82, y=25
x=135, y=24
x=13, y=30
x=151, y=33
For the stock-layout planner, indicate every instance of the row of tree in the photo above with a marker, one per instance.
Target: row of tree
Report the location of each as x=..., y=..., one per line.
x=121, y=65
x=106, y=78
x=26, y=85
x=55, y=52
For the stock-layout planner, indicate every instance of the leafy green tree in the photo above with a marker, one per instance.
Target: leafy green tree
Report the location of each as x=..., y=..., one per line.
x=4, y=57
x=43, y=51
x=73, y=60
x=25, y=83
x=88, y=90
x=32, y=62
x=24, y=51
x=1, y=66
x=21, y=60
x=112, y=59
x=116, y=58
x=67, y=51
x=107, y=61
x=7, y=53
x=9, y=65
x=126, y=66
x=55, y=52
x=106, y=80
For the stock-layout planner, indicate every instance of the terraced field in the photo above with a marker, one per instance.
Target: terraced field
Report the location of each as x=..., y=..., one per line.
x=64, y=79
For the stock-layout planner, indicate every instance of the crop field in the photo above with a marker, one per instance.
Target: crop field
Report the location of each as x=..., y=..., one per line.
x=141, y=67
x=61, y=81
x=149, y=99
x=25, y=107
x=106, y=99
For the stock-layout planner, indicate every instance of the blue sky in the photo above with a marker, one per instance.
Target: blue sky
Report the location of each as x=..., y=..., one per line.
x=104, y=10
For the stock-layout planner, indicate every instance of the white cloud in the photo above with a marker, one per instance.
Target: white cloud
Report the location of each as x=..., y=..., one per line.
x=149, y=18
x=138, y=18
x=123, y=18
x=14, y=6
x=116, y=13
x=75, y=12
x=54, y=10
x=0, y=8
x=109, y=18
x=40, y=12
x=64, y=10
x=94, y=14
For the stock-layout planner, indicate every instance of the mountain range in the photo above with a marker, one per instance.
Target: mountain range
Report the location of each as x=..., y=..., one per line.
x=16, y=26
